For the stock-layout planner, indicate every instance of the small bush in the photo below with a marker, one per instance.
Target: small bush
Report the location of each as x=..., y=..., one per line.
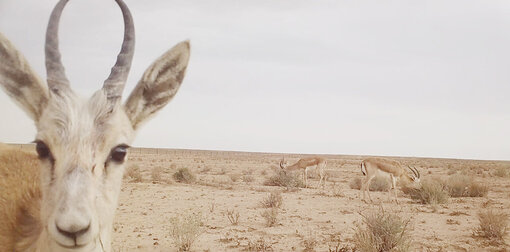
x=382, y=231
x=503, y=172
x=259, y=245
x=429, y=192
x=464, y=186
x=233, y=217
x=271, y=216
x=184, y=175
x=156, y=174
x=284, y=179
x=274, y=199
x=378, y=184
x=185, y=230
x=133, y=173
x=493, y=226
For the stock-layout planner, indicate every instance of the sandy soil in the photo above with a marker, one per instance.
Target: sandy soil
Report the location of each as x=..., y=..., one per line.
x=327, y=216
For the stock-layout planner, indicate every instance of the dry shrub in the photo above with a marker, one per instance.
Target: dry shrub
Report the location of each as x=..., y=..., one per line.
x=271, y=216
x=184, y=175
x=185, y=229
x=429, y=192
x=259, y=245
x=233, y=217
x=309, y=244
x=382, y=231
x=378, y=183
x=493, y=226
x=133, y=173
x=274, y=199
x=284, y=179
x=465, y=186
x=503, y=172
x=156, y=174
x=247, y=178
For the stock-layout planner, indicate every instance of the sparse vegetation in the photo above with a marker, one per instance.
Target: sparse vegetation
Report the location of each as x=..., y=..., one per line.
x=271, y=216
x=185, y=230
x=259, y=245
x=492, y=226
x=378, y=184
x=464, y=186
x=284, y=179
x=274, y=199
x=156, y=174
x=309, y=244
x=429, y=192
x=233, y=217
x=183, y=175
x=247, y=178
x=502, y=171
x=382, y=231
x=133, y=173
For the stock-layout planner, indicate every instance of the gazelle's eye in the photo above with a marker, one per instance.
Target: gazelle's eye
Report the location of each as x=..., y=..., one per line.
x=42, y=150
x=118, y=154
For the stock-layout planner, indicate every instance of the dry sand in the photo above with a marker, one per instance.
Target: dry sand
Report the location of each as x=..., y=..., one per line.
x=234, y=181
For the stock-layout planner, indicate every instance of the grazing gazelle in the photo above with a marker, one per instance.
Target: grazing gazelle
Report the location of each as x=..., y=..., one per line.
x=383, y=166
x=305, y=164
x=81, y=144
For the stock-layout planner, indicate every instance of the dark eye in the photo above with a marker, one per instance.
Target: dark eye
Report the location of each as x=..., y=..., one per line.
x=119, y=153
x=42, y=150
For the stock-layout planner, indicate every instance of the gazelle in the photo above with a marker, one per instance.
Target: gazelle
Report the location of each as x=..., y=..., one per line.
x=305, y=164
x=81, y=143
x=383, y=166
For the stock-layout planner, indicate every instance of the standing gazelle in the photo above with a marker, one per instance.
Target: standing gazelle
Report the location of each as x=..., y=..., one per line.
x=383, y=166
x=81, y=144
x=305, y=164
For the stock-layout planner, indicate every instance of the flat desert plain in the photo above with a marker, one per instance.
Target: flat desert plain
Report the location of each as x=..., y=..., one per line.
x=231, y=184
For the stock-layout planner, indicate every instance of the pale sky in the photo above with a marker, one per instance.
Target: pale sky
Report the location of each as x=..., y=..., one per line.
x=400, y=78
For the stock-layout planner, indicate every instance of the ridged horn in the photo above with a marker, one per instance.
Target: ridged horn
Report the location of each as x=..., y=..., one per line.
x=55, y=71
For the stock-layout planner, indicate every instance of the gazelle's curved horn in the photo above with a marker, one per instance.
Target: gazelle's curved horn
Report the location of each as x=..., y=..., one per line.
x=417, y=172
x=282, y=163
x=55, y=71
x=114, y=84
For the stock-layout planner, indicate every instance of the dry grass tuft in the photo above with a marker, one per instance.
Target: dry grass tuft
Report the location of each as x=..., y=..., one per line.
x=502, y=171
x=156, y=174
x=274, y=199
x=259, y=245
x=284, y=179
x=464, y=186
x=429, y=192
x=185, y=230
x=309, y=244
x=382, y=231
x=493, y=226
x=133, y=173
x=378, y=184
x=271, y=216
x=233, y=217
x=184, y=175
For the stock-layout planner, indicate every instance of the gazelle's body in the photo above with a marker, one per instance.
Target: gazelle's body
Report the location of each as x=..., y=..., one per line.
x=307, y=164
x=66, y=200
x=386, y=167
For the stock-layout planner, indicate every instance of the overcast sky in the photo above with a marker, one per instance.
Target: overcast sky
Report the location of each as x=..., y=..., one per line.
x=403, y=78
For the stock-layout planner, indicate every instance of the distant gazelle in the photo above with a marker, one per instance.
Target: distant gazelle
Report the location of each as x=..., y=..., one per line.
x=383, y=166
x=68, y=203
x=305, y=164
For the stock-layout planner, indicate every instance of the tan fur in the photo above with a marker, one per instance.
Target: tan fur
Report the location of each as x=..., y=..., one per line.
x=384, y=166
x=307, y=163
x=19, y=198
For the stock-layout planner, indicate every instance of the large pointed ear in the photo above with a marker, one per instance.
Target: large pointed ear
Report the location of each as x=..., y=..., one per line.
x=19, y=80
x=158, y=85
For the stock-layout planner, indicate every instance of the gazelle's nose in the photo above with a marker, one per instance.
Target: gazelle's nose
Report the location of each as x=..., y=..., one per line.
x=73, y=231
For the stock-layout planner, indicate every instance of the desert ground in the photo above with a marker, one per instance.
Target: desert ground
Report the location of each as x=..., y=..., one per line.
x=320, y=219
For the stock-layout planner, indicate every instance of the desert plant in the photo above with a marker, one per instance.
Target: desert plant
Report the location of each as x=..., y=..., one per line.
x=259, y=245
x=133, y=173
x=184, y=175
x=274, y=199
x=459, y=185
x=285, y=179
x=309, y=244
x=233, y=217
x=429, y=192
x=503, y=172
x=493, y=226
x=185, y=229
x=378, y=183
x=247, y=178
x=156, y=174
x=271, y=216
x=382, y=231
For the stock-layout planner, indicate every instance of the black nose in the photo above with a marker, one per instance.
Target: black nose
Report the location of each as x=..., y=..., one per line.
x=73, y=232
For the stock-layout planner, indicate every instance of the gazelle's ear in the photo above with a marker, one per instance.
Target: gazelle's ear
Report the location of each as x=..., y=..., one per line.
x=158, y=85
x=19, y=80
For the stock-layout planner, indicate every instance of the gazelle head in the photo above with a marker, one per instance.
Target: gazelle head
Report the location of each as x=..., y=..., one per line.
x=82, y=143
x=414, y=175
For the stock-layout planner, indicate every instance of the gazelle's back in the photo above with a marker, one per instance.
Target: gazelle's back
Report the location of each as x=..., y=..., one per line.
x=19, y=199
